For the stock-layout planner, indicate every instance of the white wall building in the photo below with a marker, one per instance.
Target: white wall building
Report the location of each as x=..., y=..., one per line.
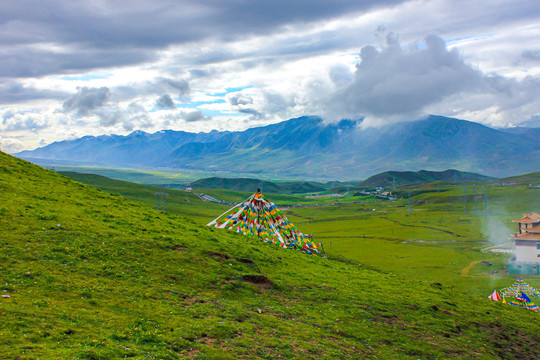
x=527, y=246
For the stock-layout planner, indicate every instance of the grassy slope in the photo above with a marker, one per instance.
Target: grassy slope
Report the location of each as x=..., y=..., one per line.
x=194, y=208
x=531, y=178
x=93, y=275
x=178, y=201
x=176, y=178
x=437, y=241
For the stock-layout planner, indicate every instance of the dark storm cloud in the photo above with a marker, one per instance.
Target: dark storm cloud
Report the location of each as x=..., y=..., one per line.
x=165, y=102
x=42, y=37
x=86, y=101
x=158, y=23
x=13, y=91
x=27, y=61
x=178, y=87
x=193, y=116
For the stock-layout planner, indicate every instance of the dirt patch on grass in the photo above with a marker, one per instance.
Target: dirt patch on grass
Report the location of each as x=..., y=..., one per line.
x=193, y=300
x=219, y=255
x=176, y=248
x=245, y=261
x=386, y=318
x=328, y=288
x=257, y=279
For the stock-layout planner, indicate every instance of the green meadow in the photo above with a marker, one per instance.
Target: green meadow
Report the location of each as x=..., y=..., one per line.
x=94, y=271
x=437, y=234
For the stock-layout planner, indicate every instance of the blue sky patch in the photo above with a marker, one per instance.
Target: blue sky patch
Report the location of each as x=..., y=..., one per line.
x=86, y=77
x=213, y=113
x=195, y=104
x=230, y=90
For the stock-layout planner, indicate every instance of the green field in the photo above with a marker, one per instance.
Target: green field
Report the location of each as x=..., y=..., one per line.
x=94, y=275
x=168, y=177
x=435, y=235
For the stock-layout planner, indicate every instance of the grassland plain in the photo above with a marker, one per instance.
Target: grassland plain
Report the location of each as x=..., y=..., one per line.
x=174, y=178
x=93, y=275
x=434, y=235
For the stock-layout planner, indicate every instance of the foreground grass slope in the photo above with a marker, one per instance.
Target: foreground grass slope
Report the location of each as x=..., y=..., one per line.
x=431, y=234
x=177, y=201
x=95, y=276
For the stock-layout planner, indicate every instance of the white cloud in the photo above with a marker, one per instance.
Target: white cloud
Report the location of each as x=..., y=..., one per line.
x=236, y=99
x=17, y=122
x=401, y=82
x=10, y=145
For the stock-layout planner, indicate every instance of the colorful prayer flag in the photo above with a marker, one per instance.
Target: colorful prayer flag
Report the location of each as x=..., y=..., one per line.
x=258, y=217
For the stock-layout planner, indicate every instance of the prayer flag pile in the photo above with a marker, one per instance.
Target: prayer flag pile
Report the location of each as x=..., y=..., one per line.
x=518, y=287
x=523, y=300
x=258, y=217
x=520, y=291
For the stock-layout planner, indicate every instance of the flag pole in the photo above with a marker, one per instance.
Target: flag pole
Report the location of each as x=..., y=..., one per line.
x=258, y=224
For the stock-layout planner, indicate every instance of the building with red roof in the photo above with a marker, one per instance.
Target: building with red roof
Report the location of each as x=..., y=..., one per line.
x=526, y=259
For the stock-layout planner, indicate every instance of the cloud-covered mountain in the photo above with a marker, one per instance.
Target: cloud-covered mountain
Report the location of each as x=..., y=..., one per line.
x=308, y=147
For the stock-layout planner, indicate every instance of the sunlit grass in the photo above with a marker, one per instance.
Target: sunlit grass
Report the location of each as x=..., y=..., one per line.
x=93, y=275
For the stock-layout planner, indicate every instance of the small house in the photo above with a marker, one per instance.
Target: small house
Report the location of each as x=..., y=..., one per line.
x=526, y=259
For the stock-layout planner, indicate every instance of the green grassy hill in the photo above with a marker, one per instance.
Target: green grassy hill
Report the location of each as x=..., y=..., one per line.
x=176, y=201
x=531, y=178
x=430, y=234
x=406, y=178
x=245, y=184
x=92, y=275
x=187, y=203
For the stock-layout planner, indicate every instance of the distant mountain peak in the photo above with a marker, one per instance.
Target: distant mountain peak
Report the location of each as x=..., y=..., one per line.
x=137, y=133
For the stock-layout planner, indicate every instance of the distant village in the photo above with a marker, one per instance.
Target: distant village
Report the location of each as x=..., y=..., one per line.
x=377, y=191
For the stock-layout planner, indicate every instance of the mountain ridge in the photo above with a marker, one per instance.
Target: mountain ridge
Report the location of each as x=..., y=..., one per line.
x=306, y=147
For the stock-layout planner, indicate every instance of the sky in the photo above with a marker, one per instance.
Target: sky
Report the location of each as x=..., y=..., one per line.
x=70, y=68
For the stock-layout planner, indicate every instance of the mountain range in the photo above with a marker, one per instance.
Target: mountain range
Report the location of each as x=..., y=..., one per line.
x=307, y=147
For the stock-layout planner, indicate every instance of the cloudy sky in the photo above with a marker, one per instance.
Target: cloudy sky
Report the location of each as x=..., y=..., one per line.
x=73, y=68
